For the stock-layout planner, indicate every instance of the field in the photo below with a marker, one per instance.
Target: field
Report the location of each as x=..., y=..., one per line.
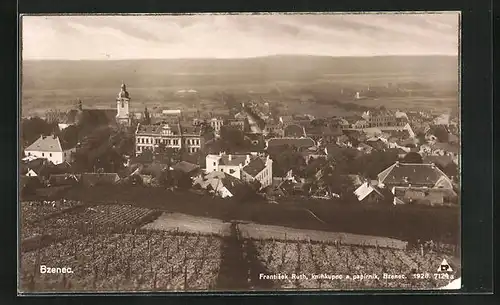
x=113, y=247
x=125, y=262
x=349, y=264
x=298, y=84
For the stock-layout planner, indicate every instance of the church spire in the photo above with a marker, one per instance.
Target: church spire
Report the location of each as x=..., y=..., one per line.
x=123, y=92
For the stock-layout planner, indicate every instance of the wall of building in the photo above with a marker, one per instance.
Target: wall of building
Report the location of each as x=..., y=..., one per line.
x=54, y=157
x=231, y=170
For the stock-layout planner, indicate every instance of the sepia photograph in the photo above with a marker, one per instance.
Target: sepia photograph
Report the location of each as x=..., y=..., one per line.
x=214, y=153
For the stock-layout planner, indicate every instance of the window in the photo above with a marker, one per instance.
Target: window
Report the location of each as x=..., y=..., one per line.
x=43, y=155
x=221, y=170
x=214, y=163
x=29, y=154
x=64, y=154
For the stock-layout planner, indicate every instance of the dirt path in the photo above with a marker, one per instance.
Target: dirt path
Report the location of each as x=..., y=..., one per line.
x=240, y=267
x=233, y=274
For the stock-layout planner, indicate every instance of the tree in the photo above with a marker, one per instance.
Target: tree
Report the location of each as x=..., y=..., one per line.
x=451, y=170
x=413, y=157
x=286, y=158
x=232, y=139
x=33, y=128
x=441, y=133
x=421, y=138
x=182, y=180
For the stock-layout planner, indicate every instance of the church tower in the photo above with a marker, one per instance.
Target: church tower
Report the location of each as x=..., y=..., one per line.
x=122, y=106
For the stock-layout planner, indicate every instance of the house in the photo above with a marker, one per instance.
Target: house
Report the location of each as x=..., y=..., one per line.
x=441, y=160
x=92, y=179
x=419, y=195
x=240, y=123
x=313, y=153
x=368, y=193
x=218, y=183
x=399, y=151
x=327, y=133
x=176, y=136
x=64, y=179
x=51, y=148
x=31, y=173
x=187, y=168
x=376, y=143
x=414, y=175
x=244, y=167
x=360, y=124
x=299, y=143
x=442, y=149
x=216, y=124
x=365, y=148
x=344, y=141
x=294, y=131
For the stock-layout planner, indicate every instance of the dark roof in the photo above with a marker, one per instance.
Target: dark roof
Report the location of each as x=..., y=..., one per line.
x=255, y=166
x=63, y=179
x=333, y=149
x=153, y=169
x=324, y=130
x=35, y=165
x=185, y=167
x=410, y=173
x=157, y=129
x=99, y=178
x=297, y=142
x=294, y=130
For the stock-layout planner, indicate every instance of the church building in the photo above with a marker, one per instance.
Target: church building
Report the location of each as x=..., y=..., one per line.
x=122, y=107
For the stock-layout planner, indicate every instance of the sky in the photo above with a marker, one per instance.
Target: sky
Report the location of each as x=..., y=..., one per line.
x=237, y=36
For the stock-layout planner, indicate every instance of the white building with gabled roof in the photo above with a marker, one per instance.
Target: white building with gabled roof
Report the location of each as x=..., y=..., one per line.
x=50, y=148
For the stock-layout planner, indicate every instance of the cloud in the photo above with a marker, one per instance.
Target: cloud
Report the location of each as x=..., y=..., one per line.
x=230, y=36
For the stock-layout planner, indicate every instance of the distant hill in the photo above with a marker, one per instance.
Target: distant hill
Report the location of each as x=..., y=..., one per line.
x=50, y=74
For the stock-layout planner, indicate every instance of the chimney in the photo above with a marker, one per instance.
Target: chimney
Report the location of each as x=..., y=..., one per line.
x=247, y=159
x=230, y=157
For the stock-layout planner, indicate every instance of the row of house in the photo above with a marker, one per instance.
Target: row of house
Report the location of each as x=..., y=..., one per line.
x=409, y=183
